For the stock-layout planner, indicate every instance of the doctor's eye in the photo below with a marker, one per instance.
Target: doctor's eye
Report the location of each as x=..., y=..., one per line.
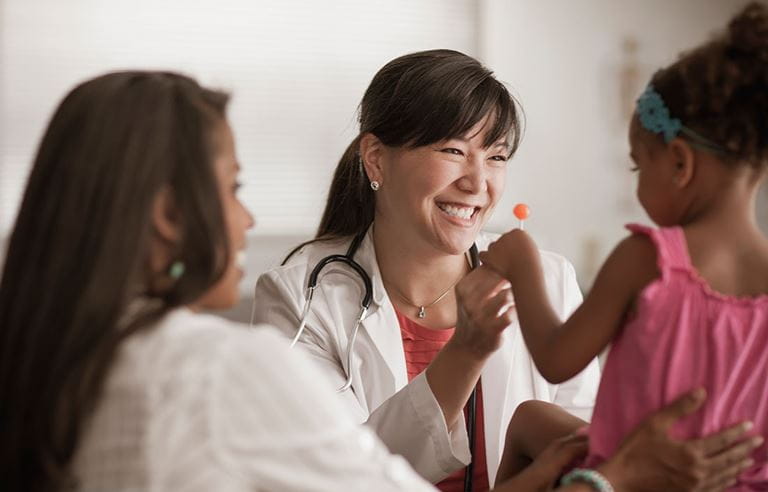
x=634, y=169
x=451, y=150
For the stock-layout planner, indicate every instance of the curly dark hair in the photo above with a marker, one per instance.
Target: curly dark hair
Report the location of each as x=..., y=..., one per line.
x=720, y=89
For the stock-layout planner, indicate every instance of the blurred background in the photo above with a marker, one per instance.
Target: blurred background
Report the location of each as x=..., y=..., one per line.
x=298, y=68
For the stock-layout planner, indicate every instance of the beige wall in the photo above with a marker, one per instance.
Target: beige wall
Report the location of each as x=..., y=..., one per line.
x=562, y=58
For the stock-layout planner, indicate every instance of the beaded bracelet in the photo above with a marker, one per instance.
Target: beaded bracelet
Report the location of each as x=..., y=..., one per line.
x=589, y=477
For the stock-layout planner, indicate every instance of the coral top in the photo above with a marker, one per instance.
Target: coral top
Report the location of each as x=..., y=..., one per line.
x=421, y=345
x=684, y=335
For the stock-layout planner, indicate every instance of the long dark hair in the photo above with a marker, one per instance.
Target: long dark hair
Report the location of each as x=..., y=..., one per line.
x=720, y=89
x=78, y=254
x=415, y=100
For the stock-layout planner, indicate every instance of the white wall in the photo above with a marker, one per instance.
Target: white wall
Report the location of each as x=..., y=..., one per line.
x=298, y=68
x=563, y=59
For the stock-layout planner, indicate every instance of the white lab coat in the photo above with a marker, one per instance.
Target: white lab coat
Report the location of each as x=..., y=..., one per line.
x=406, y=416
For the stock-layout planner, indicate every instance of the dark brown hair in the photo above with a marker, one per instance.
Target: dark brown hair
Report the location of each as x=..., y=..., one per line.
x=78, y=254
x=720, y=89
x=415, y=100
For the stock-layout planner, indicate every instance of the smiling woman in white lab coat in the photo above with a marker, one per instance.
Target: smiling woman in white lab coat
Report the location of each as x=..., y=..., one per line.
x=416, y=187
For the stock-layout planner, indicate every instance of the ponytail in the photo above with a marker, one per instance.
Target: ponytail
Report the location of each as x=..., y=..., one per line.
x=350, y=206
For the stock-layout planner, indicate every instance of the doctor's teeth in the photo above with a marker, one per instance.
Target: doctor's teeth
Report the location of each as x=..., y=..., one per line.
x=461, y=212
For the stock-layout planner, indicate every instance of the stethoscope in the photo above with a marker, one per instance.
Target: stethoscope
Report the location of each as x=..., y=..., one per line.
x=365, y=303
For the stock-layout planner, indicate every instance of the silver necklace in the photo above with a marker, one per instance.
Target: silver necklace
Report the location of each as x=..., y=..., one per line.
x=423, y=307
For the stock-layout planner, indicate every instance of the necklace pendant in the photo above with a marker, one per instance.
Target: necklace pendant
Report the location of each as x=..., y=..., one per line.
x=422, y=312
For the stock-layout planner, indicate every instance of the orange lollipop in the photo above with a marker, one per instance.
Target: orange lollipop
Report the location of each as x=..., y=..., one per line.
x=522, y=212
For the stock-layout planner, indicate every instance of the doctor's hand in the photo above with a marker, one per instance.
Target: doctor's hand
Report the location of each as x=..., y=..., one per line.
x=485, y=309
x=484, y=304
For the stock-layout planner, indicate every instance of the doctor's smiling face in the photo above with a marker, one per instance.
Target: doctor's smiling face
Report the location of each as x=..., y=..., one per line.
x=441, y=194
x=429, y=163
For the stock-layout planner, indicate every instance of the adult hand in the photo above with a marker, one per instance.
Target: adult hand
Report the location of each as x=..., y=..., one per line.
x=483, y=300
x=548, y=466
x=651, y=460
x=484, y=303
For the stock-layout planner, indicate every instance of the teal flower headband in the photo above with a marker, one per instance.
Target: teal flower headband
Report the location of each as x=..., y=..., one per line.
x=655, y=117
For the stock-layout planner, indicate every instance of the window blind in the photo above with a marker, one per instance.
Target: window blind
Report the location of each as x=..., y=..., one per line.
x=297, y=70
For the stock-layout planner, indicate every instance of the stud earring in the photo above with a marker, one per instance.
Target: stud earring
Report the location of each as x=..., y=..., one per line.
x=375, y=185
x=176, y=270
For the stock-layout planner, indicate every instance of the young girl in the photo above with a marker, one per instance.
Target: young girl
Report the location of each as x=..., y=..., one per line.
x=684, y=305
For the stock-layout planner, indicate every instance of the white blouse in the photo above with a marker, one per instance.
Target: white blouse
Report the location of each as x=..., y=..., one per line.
x=200, y=403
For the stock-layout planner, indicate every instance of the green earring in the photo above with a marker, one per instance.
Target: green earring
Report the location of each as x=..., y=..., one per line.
x=176, y=270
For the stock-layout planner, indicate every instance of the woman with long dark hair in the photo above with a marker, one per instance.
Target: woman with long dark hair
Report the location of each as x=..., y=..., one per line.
x=109, y=380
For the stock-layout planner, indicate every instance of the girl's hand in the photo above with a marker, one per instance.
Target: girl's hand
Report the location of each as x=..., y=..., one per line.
x=650, y=460
x=511, y=254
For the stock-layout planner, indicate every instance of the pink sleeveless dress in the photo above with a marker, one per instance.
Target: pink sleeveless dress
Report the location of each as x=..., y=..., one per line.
x=684, y=335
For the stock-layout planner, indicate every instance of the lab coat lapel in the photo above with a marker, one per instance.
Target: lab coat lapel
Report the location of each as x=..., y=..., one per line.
x=497, y=410
x=497, y=378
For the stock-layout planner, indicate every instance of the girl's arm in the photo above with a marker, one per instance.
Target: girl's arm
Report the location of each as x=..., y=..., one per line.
x=562, y=349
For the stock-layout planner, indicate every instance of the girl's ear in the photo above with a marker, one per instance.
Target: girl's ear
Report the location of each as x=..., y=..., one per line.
x=684, y=160
x=372, y=153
